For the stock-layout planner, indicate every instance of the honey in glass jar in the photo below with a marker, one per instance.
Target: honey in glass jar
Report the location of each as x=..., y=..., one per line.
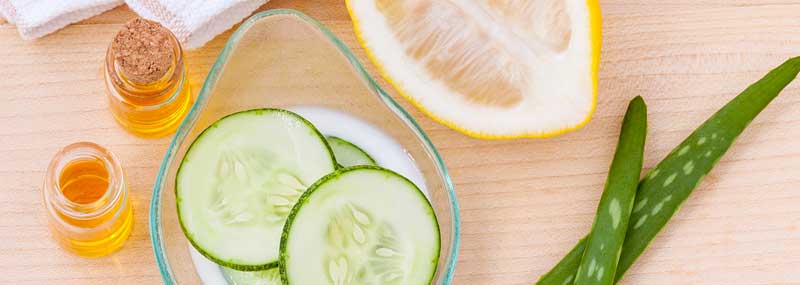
x=86, y=199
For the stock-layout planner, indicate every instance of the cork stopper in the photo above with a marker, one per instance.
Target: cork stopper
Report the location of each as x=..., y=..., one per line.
x=143, y=51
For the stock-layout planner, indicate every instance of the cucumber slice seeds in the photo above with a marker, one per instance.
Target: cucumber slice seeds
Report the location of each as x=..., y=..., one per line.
x=242, y=203
x=361, y=225
x=239, y=180
x=348, y=154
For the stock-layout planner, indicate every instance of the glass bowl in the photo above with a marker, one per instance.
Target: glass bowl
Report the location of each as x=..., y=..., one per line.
x=285, y=59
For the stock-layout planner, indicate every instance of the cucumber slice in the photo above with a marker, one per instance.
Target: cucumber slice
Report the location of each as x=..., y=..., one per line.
x=348, y=154
x=239, y=180
x=361, y=225
x=264, y=277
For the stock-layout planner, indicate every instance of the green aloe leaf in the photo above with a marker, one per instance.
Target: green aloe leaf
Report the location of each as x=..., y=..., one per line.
x=663, y=190
x=603, y=247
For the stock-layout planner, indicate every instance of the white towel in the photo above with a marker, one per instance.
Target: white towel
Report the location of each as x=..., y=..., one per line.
x=36, y=18
x=195, y=22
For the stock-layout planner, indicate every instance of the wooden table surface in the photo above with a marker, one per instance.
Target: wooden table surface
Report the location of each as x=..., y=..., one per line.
x=524, y=203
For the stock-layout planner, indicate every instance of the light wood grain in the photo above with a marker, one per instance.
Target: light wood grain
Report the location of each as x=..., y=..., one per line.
x=523, y=202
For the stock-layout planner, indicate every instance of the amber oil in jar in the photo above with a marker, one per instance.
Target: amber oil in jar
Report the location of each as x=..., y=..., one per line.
x=86, y=199
x=146, y=79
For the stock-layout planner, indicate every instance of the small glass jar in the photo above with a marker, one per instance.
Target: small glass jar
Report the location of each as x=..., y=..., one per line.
x=86, y=198
x=149, y=109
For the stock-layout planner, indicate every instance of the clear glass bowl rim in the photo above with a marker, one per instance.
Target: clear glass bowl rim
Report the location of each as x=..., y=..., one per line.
x=211, y=78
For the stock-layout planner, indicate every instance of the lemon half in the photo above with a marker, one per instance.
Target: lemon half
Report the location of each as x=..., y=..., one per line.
x=494, y=69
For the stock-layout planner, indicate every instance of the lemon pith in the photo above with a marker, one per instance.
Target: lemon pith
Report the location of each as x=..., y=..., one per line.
x=594, y=32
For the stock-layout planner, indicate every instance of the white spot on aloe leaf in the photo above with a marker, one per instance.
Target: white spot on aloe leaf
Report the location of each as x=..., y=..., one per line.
x=568, y=280
x=668, y=198
x=669, y=179
x=640, y=222
x=701, y=141
x=688, y=167
x=657, y=208
x=684, y=150
x=592, y=266
x=600, y=273
x=654, y=173
x=602, y=246
x=714, y=136
x=615, y=211
x=640, y=205
x=708, y=153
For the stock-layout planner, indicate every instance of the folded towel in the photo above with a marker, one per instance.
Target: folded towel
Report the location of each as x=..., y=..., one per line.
x=195, y=22
x=36, y=18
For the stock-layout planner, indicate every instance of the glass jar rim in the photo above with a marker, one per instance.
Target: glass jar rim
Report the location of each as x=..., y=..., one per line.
x=55, y=198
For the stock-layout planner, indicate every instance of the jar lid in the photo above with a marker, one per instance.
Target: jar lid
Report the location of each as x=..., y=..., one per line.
x=143, y=50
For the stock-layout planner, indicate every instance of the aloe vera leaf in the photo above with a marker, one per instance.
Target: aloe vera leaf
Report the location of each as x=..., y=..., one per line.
x=564, y=272
x=603, y=247
x=674, y=178
x=659, y=196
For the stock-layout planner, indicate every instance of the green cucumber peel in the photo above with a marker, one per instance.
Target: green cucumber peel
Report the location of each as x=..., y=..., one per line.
x=348, y=154
x=663, y=190
x=191, y=157
x=264, y=277
x=603, y=247
x=319, y=188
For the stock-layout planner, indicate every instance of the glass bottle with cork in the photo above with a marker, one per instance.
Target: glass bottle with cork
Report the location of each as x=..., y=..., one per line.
x=146, y=79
